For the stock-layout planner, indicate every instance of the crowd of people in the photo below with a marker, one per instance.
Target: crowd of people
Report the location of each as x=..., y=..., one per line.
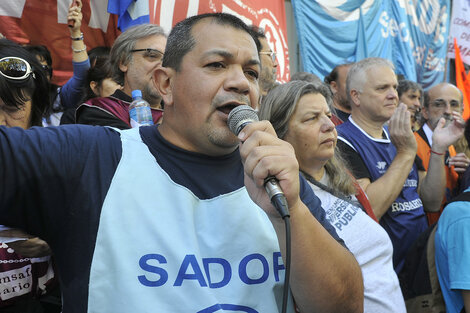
x=175, y=217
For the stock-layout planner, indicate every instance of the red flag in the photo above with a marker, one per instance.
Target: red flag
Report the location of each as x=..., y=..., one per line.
x=43, y=22
x=462, y=80
x=270, y=15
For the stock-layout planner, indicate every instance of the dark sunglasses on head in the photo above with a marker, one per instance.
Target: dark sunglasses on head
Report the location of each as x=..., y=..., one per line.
x=15, y=68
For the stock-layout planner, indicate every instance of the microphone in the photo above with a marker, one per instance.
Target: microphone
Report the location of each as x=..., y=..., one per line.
x=238, y=118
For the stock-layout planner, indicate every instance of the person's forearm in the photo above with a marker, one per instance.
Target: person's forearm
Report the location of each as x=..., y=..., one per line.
x=384, y=191
x=72, y=92
x=432, y=188
x=79, y=53
x=75, y=16
x=325, y=277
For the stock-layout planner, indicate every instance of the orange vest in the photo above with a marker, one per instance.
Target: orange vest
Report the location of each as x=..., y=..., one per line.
x=424, y=153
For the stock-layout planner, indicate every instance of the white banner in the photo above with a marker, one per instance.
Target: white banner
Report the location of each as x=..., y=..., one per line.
x=460, y=29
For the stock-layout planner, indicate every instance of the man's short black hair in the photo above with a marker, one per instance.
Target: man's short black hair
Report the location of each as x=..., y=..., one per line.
x=333, y=76
x=180, y=41
x=257, y=32
x=405, y=85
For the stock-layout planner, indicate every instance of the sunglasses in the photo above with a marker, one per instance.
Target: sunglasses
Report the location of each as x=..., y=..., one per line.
x=272, y=54
x=15, y=68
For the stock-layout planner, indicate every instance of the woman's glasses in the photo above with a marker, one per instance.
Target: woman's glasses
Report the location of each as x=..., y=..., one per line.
x=15, y=68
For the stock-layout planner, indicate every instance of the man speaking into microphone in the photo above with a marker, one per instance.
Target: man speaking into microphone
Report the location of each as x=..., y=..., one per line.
x=175, y=217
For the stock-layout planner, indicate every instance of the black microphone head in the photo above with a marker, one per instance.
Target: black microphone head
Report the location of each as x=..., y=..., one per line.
x=240, y=116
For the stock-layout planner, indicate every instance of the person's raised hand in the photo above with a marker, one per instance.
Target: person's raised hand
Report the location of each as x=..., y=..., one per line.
x=446, y=134
x=75, y=16
x=401, y=134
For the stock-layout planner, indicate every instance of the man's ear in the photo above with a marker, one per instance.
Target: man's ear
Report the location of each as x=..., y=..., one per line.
x=123, y=67
x=355, y=97
x=425, y=112
x=334, y=87
x=163, y=80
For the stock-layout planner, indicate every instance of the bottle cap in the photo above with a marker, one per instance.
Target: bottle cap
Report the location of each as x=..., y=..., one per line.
x=136, y=94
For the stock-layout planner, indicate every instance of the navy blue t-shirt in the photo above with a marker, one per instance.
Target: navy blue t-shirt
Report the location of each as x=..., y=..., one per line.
x=55, y=180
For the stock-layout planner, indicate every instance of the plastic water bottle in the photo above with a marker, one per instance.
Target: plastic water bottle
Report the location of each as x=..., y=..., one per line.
x=139, y=110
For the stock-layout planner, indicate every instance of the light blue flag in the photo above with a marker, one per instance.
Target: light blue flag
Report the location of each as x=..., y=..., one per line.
x=361, y=47
x=129, y=12
x=411, y=34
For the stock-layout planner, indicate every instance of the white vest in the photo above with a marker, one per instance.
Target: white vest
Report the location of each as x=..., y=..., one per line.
x=161, y=249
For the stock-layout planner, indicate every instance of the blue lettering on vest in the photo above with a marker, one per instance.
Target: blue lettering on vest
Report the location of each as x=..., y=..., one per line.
x=228, y=307
x=150, y=262
x=242, y=269
x=190, y=259
x=226, y=267
x=276, y=265
x=143, y=263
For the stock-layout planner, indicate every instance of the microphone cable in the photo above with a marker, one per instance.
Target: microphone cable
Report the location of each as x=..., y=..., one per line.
x=285, y=295
x=237, y=119
x=279, y=201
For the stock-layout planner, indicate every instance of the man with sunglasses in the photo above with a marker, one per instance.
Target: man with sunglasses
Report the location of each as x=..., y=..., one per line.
x=135, y=55
x=443, y=100
x=267, y=78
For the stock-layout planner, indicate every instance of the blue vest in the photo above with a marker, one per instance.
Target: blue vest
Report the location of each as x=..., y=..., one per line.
x=405, y=219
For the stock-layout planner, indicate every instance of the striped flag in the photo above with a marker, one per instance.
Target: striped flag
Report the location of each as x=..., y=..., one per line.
x=361, y=48
x=129, y=12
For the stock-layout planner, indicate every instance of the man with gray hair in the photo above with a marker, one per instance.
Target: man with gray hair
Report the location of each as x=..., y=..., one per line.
x=382, y=157
x=134, y=57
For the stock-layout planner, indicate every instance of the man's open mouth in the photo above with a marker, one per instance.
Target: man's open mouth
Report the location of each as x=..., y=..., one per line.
x=227, y=108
